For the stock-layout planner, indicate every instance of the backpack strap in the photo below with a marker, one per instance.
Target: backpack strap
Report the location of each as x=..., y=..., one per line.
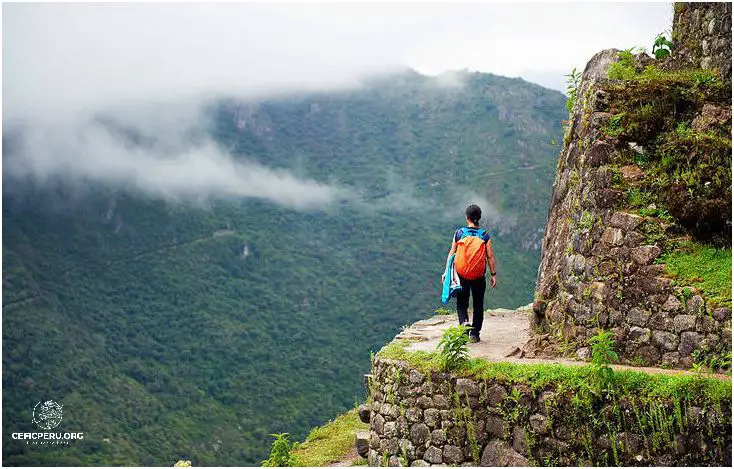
x=468, y=231
x=464, y=232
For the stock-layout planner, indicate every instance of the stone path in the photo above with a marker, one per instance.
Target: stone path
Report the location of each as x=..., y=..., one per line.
x=504, y=333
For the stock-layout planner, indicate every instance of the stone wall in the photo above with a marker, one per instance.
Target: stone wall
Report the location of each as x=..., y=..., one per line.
x=598, y=264
x=702, y=35
x=597, y=267
x=434, y=418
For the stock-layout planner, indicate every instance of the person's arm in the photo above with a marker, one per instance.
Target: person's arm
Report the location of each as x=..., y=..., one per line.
x=490, y=261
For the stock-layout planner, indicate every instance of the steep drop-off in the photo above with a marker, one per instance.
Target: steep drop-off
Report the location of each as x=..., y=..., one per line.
x=174, y=332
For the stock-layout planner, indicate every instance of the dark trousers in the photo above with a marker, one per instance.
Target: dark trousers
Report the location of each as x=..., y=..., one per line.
x=477, y=288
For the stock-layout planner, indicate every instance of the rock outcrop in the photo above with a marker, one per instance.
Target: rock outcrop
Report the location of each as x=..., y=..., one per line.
x=636, y=178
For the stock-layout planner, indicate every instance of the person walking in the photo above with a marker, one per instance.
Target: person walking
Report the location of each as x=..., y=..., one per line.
x=473, y=250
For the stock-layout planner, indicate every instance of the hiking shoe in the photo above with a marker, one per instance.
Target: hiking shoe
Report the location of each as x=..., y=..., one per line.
x=473, y=338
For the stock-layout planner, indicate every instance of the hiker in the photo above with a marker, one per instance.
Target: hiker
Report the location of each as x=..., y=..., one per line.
x=473, y=251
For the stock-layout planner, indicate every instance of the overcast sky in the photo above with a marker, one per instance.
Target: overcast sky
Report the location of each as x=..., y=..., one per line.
x=84, y=54
x=144, y=62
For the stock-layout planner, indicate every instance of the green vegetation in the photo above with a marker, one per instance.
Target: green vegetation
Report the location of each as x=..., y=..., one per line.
x=662, y=47
x=717, y=360
x=452, y=347
x=602, y=356
x=572, y=84
x=164, y=341
x=706, y=267
x=463, y=417
x=659, y=407
x=587, y=220
x=686, y=164
x=572, y=377
x=331, y=442
x=686, y=294
x=656, y=232
x=625, y=69
x=652, y=211
x=682, y=129
x=280, y=454
x=614, y=127
x=639, y=198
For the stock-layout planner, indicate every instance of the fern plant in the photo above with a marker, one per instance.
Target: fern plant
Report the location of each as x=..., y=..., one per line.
x=280, y=453
x=453, y=350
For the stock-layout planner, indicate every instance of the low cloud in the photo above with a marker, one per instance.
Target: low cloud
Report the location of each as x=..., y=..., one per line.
x=168, y=159
x=63, y=63
x=456, y=79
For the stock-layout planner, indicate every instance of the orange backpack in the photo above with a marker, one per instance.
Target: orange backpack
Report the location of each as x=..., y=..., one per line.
x=471, y=252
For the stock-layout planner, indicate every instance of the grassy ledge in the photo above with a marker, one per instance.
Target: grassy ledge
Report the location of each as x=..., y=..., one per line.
x=706, y=267
x=624, y=69
x=540, y=376
x=331, y=442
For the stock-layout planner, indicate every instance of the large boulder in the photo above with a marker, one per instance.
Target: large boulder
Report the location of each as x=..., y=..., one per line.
x=363, y=443
x=499, y=453
x=364, y=413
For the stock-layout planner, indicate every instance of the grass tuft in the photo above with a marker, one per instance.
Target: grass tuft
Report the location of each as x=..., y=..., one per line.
x=706, y=267
x=331, y=442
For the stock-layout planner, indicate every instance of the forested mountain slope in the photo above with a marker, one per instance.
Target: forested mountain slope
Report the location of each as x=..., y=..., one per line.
x=191, y=331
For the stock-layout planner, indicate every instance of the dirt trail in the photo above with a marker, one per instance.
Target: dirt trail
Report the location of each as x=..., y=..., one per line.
x=21, y=301
x=216, y=234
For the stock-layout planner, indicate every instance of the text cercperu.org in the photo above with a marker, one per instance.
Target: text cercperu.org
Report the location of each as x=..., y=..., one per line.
x=48, y=436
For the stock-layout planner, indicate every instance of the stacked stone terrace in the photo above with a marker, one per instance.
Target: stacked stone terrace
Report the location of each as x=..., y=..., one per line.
x=434, y=418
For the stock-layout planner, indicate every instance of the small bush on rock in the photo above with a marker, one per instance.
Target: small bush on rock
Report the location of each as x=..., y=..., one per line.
x=453, y=351
x=603, y=355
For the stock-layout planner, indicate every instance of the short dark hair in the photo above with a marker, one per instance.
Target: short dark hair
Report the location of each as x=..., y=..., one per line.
x=474, y=213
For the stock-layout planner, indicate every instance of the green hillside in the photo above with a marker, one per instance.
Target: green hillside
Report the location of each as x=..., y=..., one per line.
x=171, y=331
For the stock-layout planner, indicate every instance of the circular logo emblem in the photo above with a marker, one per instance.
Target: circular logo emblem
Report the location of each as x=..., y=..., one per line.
x=47, y=415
